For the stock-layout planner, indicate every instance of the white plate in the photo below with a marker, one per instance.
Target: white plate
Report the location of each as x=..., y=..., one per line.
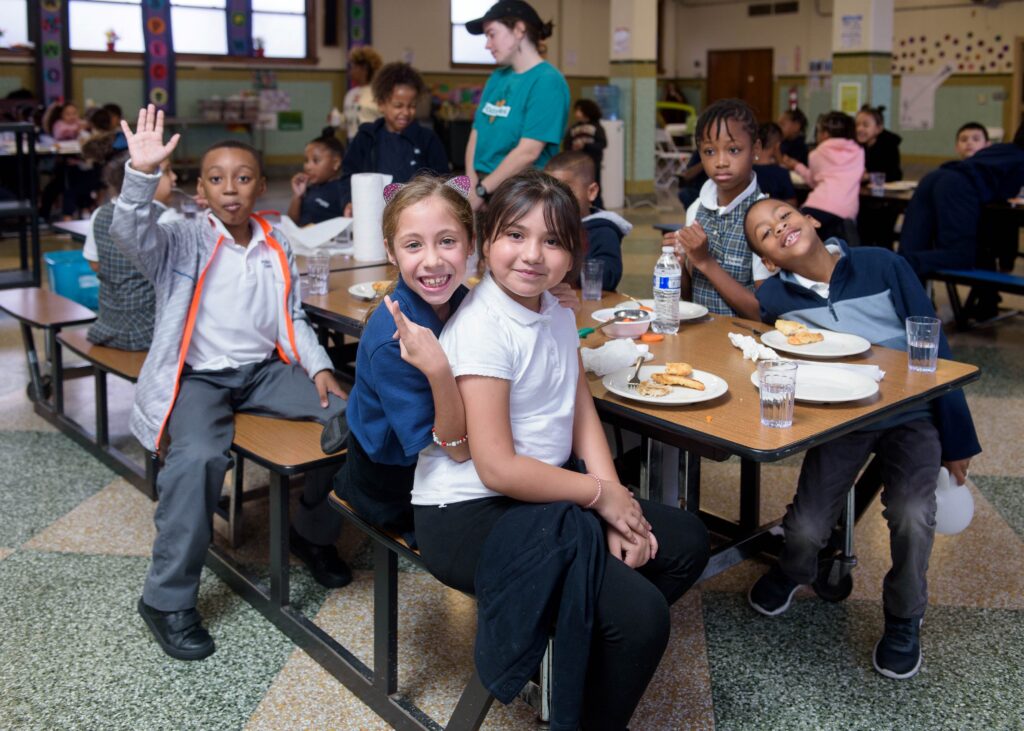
x=835, y=345
x=687, y=310
x=824, y=385
x=713, y=387
x=901, y=185
x=363, y=291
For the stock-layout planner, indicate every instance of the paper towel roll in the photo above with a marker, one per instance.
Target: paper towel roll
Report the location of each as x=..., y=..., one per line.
x=368, y=211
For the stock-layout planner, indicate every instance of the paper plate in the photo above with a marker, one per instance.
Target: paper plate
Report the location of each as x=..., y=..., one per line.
x=901, y=185
x=363, y=291
x=713, y=387
x=824, y=385
x=835, y=345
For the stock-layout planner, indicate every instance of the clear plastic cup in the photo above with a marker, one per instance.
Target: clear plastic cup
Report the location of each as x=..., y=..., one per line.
x=319, y=269
x=923, y=343
x=592, y=278
x=876, y=183
x=778, y=392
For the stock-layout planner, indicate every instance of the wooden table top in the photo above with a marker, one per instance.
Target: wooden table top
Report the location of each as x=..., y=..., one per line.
x=339, y=263
x=731, y=423
x=43, y=308
x=78, y=230
x=340, y=310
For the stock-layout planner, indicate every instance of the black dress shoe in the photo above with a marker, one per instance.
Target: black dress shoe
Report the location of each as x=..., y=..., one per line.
x=322, y=561
x=180, y=634
x=335, y=434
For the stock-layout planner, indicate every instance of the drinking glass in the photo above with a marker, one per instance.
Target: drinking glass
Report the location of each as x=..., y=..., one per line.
x=876, y=183
x=319, y=269
x=923, y=343
x=592, y=278
x=778, y=392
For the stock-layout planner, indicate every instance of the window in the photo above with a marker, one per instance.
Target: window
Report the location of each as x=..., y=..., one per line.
x=199, y=26
x=14, y=23
x=468, y=48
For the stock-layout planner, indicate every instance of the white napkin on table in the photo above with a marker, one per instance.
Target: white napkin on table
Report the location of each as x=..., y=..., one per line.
x=613, y=356
x=752, y=350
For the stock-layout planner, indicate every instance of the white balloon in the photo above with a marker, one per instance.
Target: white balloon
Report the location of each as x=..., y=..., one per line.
x=954, y=504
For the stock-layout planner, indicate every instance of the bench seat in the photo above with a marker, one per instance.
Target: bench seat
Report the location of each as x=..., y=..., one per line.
x=1000, y=281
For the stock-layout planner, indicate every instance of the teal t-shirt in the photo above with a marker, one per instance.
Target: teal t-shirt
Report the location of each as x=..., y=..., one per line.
x=533, y=104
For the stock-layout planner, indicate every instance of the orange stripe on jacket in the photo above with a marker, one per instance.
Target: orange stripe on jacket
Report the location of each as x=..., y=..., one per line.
x=186, y=339
x=287, y=272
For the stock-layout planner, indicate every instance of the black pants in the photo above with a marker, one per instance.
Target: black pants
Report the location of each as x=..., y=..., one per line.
x=631, y=625
x=379, y=493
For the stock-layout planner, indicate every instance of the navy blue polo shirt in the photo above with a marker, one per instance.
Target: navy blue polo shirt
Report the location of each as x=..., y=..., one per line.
x=321, y=202
x=390, y=409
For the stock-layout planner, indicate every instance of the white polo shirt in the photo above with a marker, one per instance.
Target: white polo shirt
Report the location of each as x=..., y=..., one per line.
x=237, y=318
x=492, y=335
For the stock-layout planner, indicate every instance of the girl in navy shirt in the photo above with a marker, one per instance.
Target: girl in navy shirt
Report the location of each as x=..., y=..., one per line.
x=405, y=397
x=316, y=193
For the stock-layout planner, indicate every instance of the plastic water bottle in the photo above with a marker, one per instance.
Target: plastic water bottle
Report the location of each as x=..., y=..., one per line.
x=666, y=292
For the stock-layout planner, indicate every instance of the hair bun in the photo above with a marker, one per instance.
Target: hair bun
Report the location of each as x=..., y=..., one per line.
x=546, y=30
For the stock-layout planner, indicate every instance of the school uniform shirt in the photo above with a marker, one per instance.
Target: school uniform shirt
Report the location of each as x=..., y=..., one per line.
x=390, y=408
x=774, y=181
x=90, y=251
x=236, y=322
x=321, y=202
x=795, y=148
x=871, y=293
x=533, y=104
x=884, y=156
x=727, y=241
x=398, y=154
x=492, y=335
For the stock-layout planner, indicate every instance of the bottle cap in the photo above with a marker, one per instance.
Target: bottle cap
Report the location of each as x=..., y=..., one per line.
x=667, y=250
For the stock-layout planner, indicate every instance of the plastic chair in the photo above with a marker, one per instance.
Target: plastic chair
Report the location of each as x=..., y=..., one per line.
x=668, y=159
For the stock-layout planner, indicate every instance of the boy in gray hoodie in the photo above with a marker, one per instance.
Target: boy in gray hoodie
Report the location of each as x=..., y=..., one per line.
x=230, y=336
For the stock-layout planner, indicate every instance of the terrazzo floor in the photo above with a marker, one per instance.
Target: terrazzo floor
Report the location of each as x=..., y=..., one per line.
x=74, y=544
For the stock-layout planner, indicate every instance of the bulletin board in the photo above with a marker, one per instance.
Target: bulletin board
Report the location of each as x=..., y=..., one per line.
x=53, y=51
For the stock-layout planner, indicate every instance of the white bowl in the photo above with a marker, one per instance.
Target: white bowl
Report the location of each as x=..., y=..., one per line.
x=629, y=329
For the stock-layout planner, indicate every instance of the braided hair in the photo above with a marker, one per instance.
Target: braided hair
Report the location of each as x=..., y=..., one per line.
x=722, y=111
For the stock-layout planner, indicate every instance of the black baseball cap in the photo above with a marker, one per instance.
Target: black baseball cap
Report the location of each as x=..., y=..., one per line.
x=506, y=9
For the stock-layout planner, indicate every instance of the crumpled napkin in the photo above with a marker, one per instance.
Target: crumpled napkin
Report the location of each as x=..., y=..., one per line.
x=753, y=350
x=613, y=356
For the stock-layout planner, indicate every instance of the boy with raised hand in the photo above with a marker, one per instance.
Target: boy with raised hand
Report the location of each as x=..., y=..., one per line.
x=869, y=292
x=230, y=336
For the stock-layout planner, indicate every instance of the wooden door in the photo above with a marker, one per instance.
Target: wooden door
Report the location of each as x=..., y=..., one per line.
x=745, y=75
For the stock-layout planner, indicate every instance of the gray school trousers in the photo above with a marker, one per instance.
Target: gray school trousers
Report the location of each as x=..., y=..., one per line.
x=189, y=485
x=911, y=456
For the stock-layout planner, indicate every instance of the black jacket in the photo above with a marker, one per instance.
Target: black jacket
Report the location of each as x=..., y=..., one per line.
x=884, y=156
x=541, y=567
x=605, y=231
x=401, y=155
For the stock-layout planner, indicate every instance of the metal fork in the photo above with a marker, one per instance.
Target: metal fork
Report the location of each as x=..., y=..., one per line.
x=634, y=382
x=747, y=327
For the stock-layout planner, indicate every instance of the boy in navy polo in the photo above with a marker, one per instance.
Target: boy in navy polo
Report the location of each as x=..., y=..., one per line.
x=869, y=292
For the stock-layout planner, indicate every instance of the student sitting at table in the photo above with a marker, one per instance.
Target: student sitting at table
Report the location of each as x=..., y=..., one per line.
x=940, y=229
x=793, y=124
x=772, y=178
x=869, y=292
x=519, y=525
x=971, y=137
x=127, y=301
x=604, y=229
x=711, y=247
x=401, y=403
x=881, y=146
x=316, y=191
x=587, y=135
x=395, y=144
x=834, y=173
x=231, y=335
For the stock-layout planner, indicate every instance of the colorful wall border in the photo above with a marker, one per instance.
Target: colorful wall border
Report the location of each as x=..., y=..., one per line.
x=359, y=23
x=159, y=55
x=53, y=54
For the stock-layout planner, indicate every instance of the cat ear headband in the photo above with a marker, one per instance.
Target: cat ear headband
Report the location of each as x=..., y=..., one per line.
x=460, y=183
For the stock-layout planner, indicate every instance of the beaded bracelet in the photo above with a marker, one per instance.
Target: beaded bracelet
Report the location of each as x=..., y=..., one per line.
x=441, y=443
x=597, y=497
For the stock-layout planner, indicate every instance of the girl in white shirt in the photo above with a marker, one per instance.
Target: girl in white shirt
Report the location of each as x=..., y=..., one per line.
x=529, y=410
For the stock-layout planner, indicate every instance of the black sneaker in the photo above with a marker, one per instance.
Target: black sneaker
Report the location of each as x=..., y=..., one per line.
x=772, y=594
x=335, y=434
x=322, y=561
x=180, y=634
x=898, y=654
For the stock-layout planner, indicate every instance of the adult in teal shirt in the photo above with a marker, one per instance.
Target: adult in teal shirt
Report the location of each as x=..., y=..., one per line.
x=525, y=103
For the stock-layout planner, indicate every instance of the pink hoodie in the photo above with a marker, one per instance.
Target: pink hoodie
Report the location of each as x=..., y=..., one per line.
x=836, y=167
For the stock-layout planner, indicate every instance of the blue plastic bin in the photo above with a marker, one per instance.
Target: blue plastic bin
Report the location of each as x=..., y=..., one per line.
x=70, y=276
